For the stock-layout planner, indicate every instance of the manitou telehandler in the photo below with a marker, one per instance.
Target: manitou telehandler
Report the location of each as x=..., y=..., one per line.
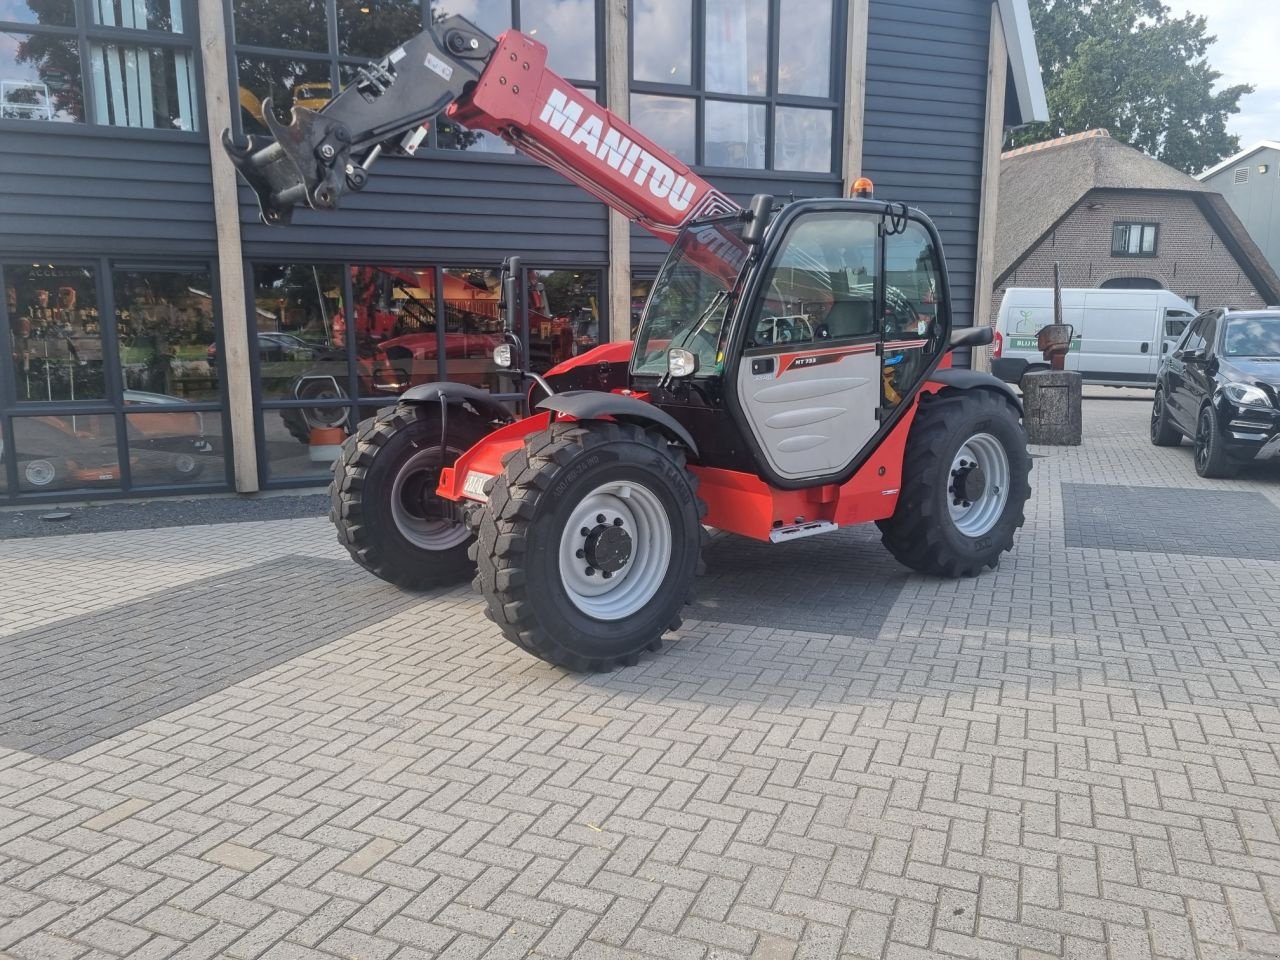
x=791, y=375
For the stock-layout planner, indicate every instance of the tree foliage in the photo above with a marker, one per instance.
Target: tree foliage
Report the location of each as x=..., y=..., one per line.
x=1133, y=68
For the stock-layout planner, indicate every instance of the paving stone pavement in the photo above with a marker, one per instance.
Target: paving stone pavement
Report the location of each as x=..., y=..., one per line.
x=1076, y=755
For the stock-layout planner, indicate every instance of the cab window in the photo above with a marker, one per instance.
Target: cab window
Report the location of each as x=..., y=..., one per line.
x=822, y=285
x=912, y=304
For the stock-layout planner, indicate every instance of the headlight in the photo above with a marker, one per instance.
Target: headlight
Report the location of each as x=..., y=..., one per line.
x=502, y=355
x=1247, y=395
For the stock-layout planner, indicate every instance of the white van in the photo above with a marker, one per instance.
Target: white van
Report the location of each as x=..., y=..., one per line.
x=1119, y=337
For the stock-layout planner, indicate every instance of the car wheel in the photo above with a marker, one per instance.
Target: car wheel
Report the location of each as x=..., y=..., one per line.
x=1212, y=461
x=1163, y=432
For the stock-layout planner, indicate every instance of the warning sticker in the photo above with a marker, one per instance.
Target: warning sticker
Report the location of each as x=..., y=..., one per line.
x=436, y=65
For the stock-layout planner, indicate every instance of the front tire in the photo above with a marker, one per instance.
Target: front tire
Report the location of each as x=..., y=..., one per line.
x=964, y=485
x=383, y=500
x=1163, y=432
x=589, y=545
x=1211, y=458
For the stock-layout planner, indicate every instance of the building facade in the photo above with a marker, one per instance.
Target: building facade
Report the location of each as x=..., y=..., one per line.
x=1114, y=218
x=1250, y=183
x=164, y=340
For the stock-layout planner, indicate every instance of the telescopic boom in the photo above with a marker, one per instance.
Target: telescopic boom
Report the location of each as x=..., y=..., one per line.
x=501, y=86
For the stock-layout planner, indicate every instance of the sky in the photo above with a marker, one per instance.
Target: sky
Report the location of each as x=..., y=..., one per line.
x=1246, y=52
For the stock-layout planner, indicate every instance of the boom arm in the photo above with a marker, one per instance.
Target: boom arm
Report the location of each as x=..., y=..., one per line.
x=502, y=86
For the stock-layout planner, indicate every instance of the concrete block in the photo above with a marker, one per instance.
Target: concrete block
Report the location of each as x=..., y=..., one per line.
x=1051, y=407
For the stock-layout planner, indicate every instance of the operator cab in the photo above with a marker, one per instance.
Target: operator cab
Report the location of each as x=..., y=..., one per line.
x=812, y=328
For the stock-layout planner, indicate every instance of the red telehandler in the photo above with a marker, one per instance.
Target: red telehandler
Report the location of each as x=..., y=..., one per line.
x=791, y=375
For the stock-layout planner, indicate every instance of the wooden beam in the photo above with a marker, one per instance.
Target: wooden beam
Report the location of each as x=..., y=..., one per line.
x=617, y=31
x=988, y=216
x=234, y=355
x=855, y=91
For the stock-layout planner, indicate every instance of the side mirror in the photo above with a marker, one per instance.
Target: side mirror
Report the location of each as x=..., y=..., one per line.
x=1189, y=356
x=681, y=364
x=510, y=297
x=758, y=215
x=970, y=337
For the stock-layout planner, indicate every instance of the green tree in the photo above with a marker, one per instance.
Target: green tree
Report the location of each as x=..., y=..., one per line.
x=1133, y=68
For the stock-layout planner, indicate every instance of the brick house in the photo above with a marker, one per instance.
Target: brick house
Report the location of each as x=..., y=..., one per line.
x=1116, y=218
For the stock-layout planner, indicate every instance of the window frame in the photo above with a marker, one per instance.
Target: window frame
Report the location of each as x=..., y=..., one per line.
x=336, y=61
x=697, y=91
x=1129, y=225
x=112, y=405
x=86, y=32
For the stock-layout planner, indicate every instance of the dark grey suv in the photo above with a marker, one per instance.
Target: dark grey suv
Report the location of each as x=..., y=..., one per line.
x=1220, y=386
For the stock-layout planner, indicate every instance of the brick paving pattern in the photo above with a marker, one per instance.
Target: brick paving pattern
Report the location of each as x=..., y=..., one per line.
x=1075, y=755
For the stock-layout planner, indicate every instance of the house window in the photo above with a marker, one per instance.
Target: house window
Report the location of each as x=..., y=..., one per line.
x=129, y=64
x=738, y=84
x=1134, y=239
x=301, y=53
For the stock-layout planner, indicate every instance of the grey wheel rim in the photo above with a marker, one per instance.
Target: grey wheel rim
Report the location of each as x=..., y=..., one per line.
x=979, y=485
x=617, y=585
x=424, y=532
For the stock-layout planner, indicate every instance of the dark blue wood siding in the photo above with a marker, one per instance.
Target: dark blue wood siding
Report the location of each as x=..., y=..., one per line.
x=925, y=109
x=438, y=207
x=86, y=191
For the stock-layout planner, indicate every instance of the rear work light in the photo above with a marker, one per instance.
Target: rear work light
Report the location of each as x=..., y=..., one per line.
x=997, y=350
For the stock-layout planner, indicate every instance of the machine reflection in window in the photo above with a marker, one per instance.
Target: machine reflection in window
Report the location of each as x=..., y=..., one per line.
x=66, y=453
x=166, y=328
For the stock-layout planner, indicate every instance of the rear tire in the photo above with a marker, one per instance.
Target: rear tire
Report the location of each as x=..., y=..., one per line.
x=545, y=557
x=383, y=501
x=1211, y=458
x=1163, y=432
x=962, y=445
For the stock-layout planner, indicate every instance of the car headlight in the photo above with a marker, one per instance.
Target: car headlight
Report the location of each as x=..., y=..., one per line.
x=1247, y=395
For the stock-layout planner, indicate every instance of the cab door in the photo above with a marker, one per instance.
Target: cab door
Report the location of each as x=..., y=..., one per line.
x=814, y=380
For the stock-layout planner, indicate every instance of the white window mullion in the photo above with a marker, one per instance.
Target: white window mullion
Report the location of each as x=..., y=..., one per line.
x=147, y=109
x=116, y=78
x=98, y=56
x=133, y=108
x=186, y=90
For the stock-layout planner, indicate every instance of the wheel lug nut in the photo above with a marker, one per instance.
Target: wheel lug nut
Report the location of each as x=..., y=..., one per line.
x=599, y=518
x=617, y=521
x=581, y=554
x=591, y=571
x=586, y=532
x=607, y=574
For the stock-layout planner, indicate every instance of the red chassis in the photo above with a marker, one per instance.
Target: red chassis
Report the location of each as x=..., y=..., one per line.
x=737, y=501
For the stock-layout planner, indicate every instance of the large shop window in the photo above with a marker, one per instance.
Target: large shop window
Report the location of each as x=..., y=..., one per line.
x=56, y=65
x=113, y=382
x=741, y=84
x=288, y=53
x=334, y=343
